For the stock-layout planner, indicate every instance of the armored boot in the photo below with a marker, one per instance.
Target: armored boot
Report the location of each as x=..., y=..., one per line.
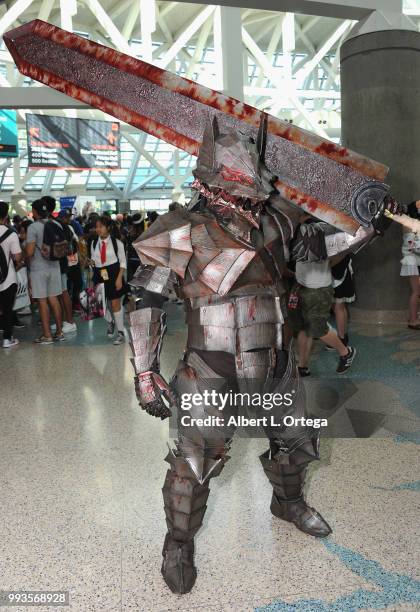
x=288, y=502
x=185, y=505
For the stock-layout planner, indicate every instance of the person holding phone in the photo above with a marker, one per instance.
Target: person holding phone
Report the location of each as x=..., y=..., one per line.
x=109, y=264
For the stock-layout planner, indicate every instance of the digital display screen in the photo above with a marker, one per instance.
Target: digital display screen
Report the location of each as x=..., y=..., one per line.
x=72, y=144
x=8, y=134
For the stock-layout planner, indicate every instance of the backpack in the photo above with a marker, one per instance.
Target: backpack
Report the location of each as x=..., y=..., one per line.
x=4, y=261
x=55, y=246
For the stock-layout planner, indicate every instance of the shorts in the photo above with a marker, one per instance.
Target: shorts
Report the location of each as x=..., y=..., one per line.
x=312, y=312
x=63, y=281
x=46, y=283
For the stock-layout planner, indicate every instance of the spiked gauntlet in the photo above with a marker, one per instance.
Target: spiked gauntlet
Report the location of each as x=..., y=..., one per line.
x=147, y=328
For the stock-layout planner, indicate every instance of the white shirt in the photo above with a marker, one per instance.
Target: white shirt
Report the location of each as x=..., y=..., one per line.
x=110, y=254
x=314, y=275
x=10, y=247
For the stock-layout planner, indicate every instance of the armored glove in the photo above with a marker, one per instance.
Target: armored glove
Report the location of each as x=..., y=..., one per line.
x=147, y=328
x=152, y=391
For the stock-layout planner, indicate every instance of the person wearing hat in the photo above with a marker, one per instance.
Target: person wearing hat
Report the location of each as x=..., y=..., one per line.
x=45, y=276
x=135, y=230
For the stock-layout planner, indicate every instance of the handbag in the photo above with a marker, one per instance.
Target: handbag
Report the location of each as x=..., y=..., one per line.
x=22, y=299
x=92, y=302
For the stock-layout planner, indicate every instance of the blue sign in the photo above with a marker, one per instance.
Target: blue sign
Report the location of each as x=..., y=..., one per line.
x=67, y=202
x=9, y=146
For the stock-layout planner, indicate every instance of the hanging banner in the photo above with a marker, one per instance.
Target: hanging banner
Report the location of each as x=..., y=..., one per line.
x=72, y=144
x=67, y=202
x=9, y=146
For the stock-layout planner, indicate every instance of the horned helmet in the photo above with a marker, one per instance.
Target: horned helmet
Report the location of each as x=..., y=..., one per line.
x=233, y=164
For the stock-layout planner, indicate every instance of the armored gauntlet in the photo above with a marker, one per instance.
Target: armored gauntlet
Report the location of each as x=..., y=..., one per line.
x=147, y=328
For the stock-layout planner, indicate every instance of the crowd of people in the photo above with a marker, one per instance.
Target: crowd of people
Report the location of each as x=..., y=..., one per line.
x=62, y=254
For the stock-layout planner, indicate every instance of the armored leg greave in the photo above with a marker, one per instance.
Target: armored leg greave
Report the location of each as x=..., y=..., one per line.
x=288, y=502
x=185, y=505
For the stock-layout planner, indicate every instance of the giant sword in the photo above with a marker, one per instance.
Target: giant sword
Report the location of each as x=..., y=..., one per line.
x=328, y=181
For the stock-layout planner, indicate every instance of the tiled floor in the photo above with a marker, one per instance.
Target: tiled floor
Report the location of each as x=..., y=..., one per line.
x=81, y=467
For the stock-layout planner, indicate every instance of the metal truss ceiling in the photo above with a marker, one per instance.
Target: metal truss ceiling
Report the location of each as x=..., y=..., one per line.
x=289, y=66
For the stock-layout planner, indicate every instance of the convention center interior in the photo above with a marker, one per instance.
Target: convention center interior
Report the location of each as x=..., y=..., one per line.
x=210, y=305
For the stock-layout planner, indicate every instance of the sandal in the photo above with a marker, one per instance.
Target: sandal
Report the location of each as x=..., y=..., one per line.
x=415, y=326
x=59, y=337
x=43, y=340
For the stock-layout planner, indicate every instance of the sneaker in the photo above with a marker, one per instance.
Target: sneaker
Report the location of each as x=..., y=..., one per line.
x=59, y=337
x=69, y=327
x=111, y=329
x=44, y=340
x=120, y=339
x=344, y=363
x=304, y=372
x=10, y=343
x=19, y=325
x=329, y=348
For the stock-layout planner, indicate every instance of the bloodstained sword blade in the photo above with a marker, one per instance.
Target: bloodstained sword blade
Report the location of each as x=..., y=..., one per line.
x=318, y=175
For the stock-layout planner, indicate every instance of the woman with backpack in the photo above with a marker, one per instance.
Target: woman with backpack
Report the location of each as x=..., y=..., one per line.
x=108, y=257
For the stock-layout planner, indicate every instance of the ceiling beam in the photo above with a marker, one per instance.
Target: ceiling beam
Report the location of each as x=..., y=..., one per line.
x=341, y=9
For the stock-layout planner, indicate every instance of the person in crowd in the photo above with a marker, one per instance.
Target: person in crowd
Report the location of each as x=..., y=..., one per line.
x=89, y=229
x=74, y=274
x=309, y=307
x=23, y=229
x=410, y=266
x=45, y=275
x=108, y=258
x=344, y=293
x=151, y=216
x=69, y=326
x=10, y=258
x=16, y=221
x=75, y=224
x=136, y=230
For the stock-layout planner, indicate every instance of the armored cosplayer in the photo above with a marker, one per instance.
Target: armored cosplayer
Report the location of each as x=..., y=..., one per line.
x=223, y=255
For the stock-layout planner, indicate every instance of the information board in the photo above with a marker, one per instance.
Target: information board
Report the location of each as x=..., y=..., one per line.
x=72, y=144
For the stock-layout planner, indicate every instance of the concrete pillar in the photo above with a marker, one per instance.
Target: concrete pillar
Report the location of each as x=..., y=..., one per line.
x=380, y=84
x=229, y=50
x=123, y=206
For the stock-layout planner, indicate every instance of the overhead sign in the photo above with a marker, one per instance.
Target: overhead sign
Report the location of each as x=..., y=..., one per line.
x=8, y=134
x=72, y=144
x=67, y=202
